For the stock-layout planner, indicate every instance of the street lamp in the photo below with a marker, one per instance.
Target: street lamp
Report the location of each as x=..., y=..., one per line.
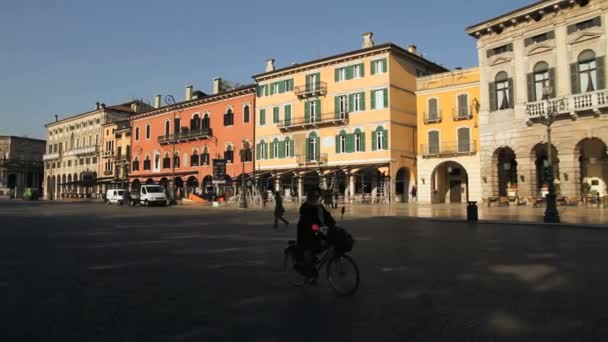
x=547, y=119
x=243, y=153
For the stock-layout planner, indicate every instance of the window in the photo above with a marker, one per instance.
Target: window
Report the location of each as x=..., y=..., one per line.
x=379, y=99
x=357, y=102
x=147, y=163
x=341, y=142
x=246, y=114
x=463, y=106
x=341, y=75
x=167, y=128
x=176, y=160
x=379, y=66
x=540, y=79
x=275, y=115
x=288, y=147
x=229, y=154
x=464, y=140
x=177, y=123
x=433, y=108
x=148, y=131
x=228, y=118
x=312, y=111
x=275, y=149
x=287, y=115
x=312, y=147
x=262, y=117
x=499, y=50
x=136, y=164
x=433, y=147
x=501, y=92
x=166, y=161
x=205, y=123
x=588, y=72
x=313, y=82
x=246, y=152
x=584, y=25
x=261, y=150
x=194, y=158
x=359, y=138
x=195, y=122
x=262, y=90
x=205, y=156
x=274, y=88
x=341, y=107
x=539, y=38
x=357, y=71
x=156, y=161
x=380, y=139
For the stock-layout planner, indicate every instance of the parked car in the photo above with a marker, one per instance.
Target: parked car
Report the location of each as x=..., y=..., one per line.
x=116, y=196
x=152, y=194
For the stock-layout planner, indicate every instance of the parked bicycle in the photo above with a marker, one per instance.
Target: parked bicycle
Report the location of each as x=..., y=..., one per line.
x=341, y=270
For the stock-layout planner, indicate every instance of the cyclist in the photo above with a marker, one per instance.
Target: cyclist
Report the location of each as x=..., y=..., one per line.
x=313, y=216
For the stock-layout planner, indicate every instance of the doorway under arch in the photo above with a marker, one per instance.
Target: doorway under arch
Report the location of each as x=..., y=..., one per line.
x=593, y=163
x=402, y=184
x=505, y=164
x=449, y=183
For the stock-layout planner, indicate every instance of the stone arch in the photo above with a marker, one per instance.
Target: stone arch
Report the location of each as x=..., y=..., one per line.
x=592, y=157
x=539, y=158
x=449, y=183
x=504, y=170
x=402, y=184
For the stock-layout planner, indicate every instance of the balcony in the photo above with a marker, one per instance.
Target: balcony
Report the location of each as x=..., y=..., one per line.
x=572, y=105
x=82, y=151
x=432, y=118
x=304, y=160
x=108, y=172
x=107, y=154
x=458, y=115
x=51, y=156
x=311, y=90
x=122, y=157
x=196, y=134
x=302, y=123
x=448, y=149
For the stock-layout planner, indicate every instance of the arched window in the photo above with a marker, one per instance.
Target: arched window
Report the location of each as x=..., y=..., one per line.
x=205, y=156
x=229, y=154
x=246, y=114
x=503, y=92
x=136, y=164
x=194, y=158
x=229, y=118
x=341, y=142
x=260, y=153
x=380, y=139
x=288, y=147
x=176, y=160
x=195, y=122
x=587, y=71
x=177, y=122
x=206, y=122
x=147, y=163
x=167, y=128
x=148, y=131
x=275, y=148
x=136, y=133
x=167, y=161
x=246, y=154
x=313, y=147
x=541, y=80
x=359, y=140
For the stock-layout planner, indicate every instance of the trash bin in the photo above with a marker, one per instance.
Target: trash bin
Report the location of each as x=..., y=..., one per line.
x=472, y=215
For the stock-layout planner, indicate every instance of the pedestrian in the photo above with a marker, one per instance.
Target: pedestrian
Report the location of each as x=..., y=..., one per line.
x=279, y=211
x=328, y=198
x=413, y=193
x=336, y=196
x=264, y=195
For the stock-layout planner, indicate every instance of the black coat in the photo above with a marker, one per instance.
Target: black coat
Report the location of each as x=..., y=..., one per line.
x=309, y=215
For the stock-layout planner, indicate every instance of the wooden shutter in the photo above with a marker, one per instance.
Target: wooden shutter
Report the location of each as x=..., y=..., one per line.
x=362, y=69
x=552, y=82
x=307, y=149
x=464, y=139
x=362, y=97
x=268, y=152
x=374, y=147
x=433, y=110
x=492, y=92
x=337, y=74
x=318, y=149
x=338, y=144
x=287, y=118
x=350, y=143
x=272, y=88
x=349, y=72
x=337, y=107
x=275, y=114
x=351, y=103
x=463, y=105
x=319, y=112
x=385, y=139
x=373, y=68
x=282, y=87
x=574, y=86
x=531, y=88
x=362, y=141
x=433, y=142
x=384, y=65
x=281, y=149
x=385, y=97
x=291, y=148
x=511, y=99
x=601, y=72
x=307, y=112
x=373, y=99
x=262, y=116
x=259, y=91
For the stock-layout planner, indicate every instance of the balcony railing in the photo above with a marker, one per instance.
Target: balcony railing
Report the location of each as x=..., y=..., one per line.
x=571, y=105
x=196, y=134
x=311, y=89
x=108, y=154
x=328, y=119
x=459, y=115
x=122, y=157
x=434, y=118
x=51, y=156
x=82, y=151
x=108, y=172
x=307, y=160
x=448, y=149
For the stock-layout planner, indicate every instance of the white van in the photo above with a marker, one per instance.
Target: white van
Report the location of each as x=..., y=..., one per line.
x=115, y=196
x=152, y=194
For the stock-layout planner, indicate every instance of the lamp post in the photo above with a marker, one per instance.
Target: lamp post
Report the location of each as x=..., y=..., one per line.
x=547, y=119
x=243, y=153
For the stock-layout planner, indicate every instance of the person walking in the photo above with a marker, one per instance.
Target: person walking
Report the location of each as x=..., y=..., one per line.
x=413, y=193
x=279, y=210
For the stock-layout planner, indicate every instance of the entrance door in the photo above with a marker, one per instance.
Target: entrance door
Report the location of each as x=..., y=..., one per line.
x=455, y=191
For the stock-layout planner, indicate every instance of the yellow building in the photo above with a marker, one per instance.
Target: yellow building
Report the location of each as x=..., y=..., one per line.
x=116, y=155
x=448, y=137
x=346, y=123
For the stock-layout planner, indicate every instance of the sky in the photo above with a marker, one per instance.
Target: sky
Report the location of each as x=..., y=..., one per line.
x=62, y=56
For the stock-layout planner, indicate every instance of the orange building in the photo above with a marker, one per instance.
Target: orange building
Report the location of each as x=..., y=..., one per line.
x=180, y=141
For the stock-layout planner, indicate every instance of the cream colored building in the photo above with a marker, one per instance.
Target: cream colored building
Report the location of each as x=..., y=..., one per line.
x=346, y=123
x=556, y=43
x=448, y=137
x=115, y=155
x=73, y=151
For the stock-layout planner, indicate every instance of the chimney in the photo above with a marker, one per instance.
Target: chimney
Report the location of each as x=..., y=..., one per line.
x=270, y=65
x=135, y=107
x=368, y=42
x=188, y=92
x=102, y=105
x=97, y=105
x=412, y=49
x=157, y=101
x=217, y=85
x=56, y=117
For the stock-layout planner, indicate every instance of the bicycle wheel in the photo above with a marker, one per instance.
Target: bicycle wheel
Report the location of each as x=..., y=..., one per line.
x=293, y=276
x=343, y=275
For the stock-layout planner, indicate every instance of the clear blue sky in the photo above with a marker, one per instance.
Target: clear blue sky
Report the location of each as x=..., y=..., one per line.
x=62, y=56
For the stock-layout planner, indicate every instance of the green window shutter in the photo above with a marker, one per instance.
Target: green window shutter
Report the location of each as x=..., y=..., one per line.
x=373, y=140
x=511, y=99
x=266, y=89
x=362, y=96
x=363, y=142
x=531, y=90
x=384, y=65
x=307, y=149
x=337, y=107
x=385, y=139
x=275, y=115
x=351, y=103
x=373, y=94
x=338, y=143
x=262, y=116
x=259, y=91
x=319, y=112
x=601, y=71
x=272, y=88
x=373, y=68
x=268, y=154
x=257, y=152
x=337, y=74
x=291, y=148
x=270, y=149
x=307, y=85
x=385, y=97
x=350, y=143
x=307, y=112
x=552, y=81
x=281, y=149
x=318, y=149
x=282, y=87
x=287, y=119
x=318, y=82
x=574, y=78
x=362, y=68
x=349, y=72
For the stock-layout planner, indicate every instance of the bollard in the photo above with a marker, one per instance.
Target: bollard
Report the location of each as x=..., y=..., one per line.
x=472, y=211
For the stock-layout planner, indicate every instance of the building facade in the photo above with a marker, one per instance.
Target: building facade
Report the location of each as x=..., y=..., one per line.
x=548, y=57
x=448, y=137
x=345, y=123
x=176, y=145
x=115, y=155
x=20, y=165
x=73, y=150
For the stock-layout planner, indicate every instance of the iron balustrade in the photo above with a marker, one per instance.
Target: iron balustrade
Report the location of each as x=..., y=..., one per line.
x=304, y=159
x=328, y=119
x=458, y=115
x=311, y=89
x=448, y=149
x=435, y=118
x=196, y=134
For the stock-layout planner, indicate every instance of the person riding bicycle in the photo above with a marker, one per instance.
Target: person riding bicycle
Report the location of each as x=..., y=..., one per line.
x=313, y=216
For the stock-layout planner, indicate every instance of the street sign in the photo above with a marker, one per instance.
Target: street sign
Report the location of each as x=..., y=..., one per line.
x=219, y=170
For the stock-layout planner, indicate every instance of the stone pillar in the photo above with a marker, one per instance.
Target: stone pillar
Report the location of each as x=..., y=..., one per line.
x=300, y=187
x=351, y=187
x=374, y=184
x=569, y=168
x=526, y=177
x=277, y=184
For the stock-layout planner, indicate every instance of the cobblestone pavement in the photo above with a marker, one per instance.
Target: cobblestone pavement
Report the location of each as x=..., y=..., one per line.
x=91, y=272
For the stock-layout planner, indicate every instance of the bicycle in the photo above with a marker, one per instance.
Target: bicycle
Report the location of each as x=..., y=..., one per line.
x=337, y=265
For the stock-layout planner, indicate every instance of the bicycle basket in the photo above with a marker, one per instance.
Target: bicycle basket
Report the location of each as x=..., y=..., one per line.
x=341, y=240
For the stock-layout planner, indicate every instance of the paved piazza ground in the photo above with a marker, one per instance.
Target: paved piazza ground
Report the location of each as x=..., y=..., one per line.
x=90, y=272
